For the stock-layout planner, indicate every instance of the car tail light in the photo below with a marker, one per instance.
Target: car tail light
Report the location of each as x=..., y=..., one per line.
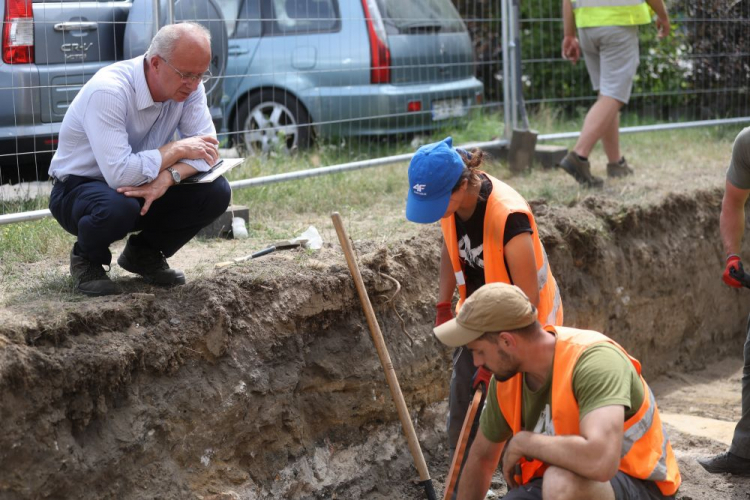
x=413, y=106
x=380, y=55
x=18, y=32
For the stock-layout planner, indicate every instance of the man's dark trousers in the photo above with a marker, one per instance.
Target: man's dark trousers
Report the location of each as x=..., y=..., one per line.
x=741, y=440
x=98, y=215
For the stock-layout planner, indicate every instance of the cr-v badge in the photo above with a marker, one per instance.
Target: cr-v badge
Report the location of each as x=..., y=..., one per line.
x=75, y=51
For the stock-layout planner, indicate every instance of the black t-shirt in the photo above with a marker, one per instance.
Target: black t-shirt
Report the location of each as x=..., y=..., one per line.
x=470, y=234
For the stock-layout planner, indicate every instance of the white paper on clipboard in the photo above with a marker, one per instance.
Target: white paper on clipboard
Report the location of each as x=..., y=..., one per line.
x=222, y=166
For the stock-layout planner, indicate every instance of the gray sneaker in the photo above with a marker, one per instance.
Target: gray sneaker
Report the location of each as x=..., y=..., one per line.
x=90, y=279
x=619, y=168
x=580, y=170
x=150, y=264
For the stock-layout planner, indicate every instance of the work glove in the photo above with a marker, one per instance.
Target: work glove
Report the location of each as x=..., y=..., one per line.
x=733, y=262
x=444, y=313
x=481, y=376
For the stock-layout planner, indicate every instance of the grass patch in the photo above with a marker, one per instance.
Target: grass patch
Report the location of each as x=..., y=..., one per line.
x=372, y=201
x=26, y=242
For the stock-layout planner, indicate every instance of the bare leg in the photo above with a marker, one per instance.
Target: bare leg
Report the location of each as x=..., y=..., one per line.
x=611, y=140
x=602, y=120
x=561, y=484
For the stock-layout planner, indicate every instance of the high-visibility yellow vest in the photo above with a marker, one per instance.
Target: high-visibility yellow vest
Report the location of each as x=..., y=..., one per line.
x=593, y=13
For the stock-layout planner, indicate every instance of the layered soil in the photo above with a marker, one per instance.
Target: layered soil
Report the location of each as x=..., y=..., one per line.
x=261, y=380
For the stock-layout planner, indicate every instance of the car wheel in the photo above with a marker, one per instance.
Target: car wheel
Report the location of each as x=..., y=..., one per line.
x=272, y=121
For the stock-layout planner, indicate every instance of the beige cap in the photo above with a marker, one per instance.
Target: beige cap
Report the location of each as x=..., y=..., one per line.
x=495, y=307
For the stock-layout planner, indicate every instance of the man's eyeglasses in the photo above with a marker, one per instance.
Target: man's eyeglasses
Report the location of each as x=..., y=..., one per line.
x=189, y=77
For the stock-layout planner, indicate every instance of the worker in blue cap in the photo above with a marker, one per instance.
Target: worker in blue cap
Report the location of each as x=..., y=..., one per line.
x=489, y=236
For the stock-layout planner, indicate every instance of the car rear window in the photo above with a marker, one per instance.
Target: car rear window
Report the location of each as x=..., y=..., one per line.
x=304, y=16
x=230, y=9
x=249, y=22
x=420, y=16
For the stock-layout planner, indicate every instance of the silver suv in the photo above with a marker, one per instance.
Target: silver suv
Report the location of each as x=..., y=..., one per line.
x=50, y=48
x=334, y=68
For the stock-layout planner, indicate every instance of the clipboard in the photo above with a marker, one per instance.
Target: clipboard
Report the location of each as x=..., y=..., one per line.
x=221, y=166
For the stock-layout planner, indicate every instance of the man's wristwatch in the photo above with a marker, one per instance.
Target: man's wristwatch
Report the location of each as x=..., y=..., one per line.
x=175, y=175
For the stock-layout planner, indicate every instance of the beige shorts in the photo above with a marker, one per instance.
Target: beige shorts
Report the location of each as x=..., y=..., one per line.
x=612, y=57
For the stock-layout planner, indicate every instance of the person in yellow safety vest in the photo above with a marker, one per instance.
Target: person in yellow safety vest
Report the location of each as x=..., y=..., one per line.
x=608, y=33
x=567, y=410
x=489, y=235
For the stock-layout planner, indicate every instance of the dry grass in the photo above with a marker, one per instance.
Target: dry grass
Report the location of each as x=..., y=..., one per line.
x=33, y=256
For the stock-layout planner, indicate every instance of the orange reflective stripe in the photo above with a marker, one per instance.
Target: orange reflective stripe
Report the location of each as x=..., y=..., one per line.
x=646, y=451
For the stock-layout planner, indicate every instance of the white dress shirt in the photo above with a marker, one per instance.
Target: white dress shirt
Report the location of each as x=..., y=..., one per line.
x=113, y=128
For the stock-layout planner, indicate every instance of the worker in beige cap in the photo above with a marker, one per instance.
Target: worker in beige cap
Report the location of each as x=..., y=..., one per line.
x=567, y=409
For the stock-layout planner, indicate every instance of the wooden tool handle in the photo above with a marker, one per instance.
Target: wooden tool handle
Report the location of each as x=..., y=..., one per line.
x=463, y=438
x=385, y=359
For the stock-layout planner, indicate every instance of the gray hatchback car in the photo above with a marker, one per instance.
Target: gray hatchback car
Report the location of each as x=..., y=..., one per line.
x=50, y=48
x=297, y=68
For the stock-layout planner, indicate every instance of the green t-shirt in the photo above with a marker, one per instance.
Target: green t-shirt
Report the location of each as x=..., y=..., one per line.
x=739, y=168
x=603, y=376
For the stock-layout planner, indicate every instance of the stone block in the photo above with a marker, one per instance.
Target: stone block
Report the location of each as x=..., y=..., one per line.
x=549, y=156
x=521, y=150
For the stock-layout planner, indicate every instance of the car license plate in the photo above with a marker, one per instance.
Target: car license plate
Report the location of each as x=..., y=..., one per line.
x=448, y=108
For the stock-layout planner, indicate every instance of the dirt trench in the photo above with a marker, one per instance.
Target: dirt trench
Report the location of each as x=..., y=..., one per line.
x=262, y=381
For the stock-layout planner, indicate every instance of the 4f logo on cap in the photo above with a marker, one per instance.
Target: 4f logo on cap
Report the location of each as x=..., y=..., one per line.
x=419, y=188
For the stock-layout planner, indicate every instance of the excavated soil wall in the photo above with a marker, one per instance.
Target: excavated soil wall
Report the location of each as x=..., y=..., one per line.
x=262, y=382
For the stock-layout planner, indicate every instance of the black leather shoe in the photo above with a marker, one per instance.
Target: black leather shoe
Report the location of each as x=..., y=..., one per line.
x=726, y=462
x=90, y=279
x=150, y=264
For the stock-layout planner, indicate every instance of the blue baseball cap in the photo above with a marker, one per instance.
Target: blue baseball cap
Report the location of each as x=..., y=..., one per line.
x=433, y=172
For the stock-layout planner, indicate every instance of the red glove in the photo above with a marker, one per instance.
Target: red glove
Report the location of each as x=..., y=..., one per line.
x=482, y=376
x=733, y=262
x=444, y=313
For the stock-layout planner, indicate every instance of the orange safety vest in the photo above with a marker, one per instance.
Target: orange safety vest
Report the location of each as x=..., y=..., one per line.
x=646, y=452
x=503, y=201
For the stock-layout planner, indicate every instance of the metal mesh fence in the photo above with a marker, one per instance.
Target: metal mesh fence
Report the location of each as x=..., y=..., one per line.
x=288, y=74
x=361, y=77
x=699, y=72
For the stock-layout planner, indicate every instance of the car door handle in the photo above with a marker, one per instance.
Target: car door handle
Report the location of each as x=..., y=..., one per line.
x=236, y=50
x=75, y=26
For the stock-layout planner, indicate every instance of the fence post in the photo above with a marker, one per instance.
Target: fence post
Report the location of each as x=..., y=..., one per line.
x=523, y=140
x=513, y=61
x=507, y=81
x=170, y=11
x=156, y=4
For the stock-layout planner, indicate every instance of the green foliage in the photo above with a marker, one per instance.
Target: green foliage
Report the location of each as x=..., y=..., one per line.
x=717, y=37
x=699, y=72
x=661, y=85
x=483, y=22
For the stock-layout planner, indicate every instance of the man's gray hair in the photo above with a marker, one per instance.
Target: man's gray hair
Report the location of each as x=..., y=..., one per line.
x=165, y=41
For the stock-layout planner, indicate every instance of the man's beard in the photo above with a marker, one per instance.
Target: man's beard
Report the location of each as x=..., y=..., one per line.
x=508, y=373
